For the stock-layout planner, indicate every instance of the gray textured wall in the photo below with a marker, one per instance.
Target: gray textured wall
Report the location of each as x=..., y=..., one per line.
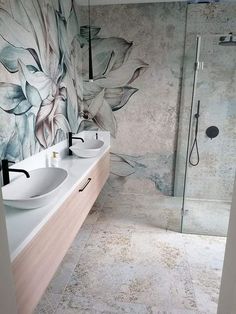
x=213, y=177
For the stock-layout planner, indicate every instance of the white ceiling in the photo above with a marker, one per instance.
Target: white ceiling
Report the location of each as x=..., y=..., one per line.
x=98, y=2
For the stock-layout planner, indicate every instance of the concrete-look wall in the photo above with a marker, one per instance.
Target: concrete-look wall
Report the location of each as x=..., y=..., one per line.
x=227, y=299
x=213, y=177
x=40, y=68
x=145, y=139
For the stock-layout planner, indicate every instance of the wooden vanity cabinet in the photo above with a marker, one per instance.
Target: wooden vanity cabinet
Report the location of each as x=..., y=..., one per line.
x=35, y=266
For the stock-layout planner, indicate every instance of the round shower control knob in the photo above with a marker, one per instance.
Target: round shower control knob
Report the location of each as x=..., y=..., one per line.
x=212, y=132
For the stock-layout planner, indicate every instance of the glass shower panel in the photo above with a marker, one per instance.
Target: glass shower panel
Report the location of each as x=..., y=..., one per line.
x=210, y=175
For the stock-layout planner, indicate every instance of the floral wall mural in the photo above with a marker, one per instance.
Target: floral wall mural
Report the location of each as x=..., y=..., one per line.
x=44, y=87
x=114, y=71
x=40, y=87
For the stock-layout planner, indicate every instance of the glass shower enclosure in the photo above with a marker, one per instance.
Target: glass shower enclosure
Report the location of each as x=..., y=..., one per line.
x=206, y=155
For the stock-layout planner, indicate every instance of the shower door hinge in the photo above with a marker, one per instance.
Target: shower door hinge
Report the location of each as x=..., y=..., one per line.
x=199, y=65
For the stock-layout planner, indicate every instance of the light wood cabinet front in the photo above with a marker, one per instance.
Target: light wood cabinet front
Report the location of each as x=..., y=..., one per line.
x=35, y=266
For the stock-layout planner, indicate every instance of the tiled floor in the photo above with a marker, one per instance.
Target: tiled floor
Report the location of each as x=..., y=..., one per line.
x=206, y=217
x=125, y=260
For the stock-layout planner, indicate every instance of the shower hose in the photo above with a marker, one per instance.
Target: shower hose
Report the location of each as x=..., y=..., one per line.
x=195, y=141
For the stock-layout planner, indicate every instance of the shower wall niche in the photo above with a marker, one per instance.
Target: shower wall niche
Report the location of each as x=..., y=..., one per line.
x=209, y=185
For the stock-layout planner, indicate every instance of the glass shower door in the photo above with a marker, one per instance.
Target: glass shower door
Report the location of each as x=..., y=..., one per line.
x=211, y=159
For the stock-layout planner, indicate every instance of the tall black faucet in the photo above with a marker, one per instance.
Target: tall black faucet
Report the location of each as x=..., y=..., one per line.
x=71, y=137
x=6, y=170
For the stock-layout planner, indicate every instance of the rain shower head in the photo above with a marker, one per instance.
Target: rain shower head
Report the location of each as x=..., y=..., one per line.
x=227, y=40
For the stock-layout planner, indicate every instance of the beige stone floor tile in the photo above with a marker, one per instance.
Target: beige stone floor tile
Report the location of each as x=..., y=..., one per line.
x=205, y=255
x=53, y=299
x=117, y=218
x=57, y=285
x=140, y=212
x=206, y=217
x=205, y=250
x=206, y=285
x=138, y=268
x=114, y=219
x=44, y=307
x=86, y=305
x=64, y=272
x=166, y=245
x=157, y=310
x=177, y=311
x=141, y=200
x=92, y=217
x=101, y=198
x=128, y=259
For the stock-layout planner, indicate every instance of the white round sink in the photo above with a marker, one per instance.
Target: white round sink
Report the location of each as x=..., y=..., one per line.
x=90, y=148
x=38, y=190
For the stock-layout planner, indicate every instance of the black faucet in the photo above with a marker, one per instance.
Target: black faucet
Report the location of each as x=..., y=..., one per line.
x=6, y=170
x=71, y=137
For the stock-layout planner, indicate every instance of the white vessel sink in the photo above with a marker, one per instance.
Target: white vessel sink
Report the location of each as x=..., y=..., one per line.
x=90, y=148
x=38, y=190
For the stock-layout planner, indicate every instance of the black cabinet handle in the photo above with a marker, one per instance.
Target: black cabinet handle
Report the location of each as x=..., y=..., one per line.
x=86, y=184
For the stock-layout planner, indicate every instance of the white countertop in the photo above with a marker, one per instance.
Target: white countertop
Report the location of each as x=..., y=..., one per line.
x=23, y=225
